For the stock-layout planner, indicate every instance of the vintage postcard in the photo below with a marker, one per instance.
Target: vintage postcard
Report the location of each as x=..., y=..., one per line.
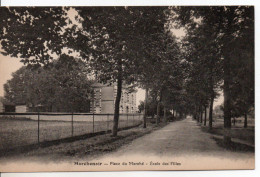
x=127, y=88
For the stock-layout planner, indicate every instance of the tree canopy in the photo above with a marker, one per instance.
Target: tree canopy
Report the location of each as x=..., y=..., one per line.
x=62, y=87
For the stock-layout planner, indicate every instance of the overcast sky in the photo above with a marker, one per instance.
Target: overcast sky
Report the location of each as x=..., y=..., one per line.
x=8, y=65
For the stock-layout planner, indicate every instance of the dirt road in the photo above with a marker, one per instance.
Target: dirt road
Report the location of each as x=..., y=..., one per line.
x=182, y=141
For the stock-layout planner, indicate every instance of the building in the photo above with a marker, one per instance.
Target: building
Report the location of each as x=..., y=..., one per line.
x=21, y=108
x=6, y=106
x=104, y=96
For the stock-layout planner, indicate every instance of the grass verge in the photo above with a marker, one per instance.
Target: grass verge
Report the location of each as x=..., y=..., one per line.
x=243, y=139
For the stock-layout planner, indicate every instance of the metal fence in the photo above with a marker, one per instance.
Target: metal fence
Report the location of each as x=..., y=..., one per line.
x=20, y=129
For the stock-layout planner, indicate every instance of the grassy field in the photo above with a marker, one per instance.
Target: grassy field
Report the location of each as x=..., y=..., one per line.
x=89, y=148
x=238, y=132
x=15, y=132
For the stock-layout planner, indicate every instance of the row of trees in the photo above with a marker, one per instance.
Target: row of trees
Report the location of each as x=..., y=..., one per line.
x=115, y=42
x=135, y=45
x=220, y=52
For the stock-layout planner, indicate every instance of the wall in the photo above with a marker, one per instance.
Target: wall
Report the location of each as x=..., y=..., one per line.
x=21, y=108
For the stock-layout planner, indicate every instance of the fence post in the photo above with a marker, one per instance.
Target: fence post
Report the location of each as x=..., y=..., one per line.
x=93, y=123
x=107, y=122
x=72, y=124
x=38, y=127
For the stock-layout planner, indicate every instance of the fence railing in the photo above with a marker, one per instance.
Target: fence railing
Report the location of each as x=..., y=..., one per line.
x=19, y=129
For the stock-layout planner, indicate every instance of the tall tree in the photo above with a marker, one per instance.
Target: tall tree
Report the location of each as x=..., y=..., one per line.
x=242, y=72
x=115, y=37
x=62, y=87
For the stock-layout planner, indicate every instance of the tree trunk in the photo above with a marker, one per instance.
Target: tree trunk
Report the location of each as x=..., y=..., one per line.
x=227, y=103
x=118, y=98
x=245, y=121
x=195, y=113
x=201, y=114
x=198, y=115
x=50, y=109
x=145, y=107
x=164, y=114
x=158, y=108
x=211, y=111
x=212, y=96
x=205, y=117
x=158, y=113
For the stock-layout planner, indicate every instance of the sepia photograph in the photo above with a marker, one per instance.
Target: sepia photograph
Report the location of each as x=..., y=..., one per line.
x=127, y=88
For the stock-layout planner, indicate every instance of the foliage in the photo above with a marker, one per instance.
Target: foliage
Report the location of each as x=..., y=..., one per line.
x=115, y=41
x=225, y=30
x=61, y=87
x=31, y=33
